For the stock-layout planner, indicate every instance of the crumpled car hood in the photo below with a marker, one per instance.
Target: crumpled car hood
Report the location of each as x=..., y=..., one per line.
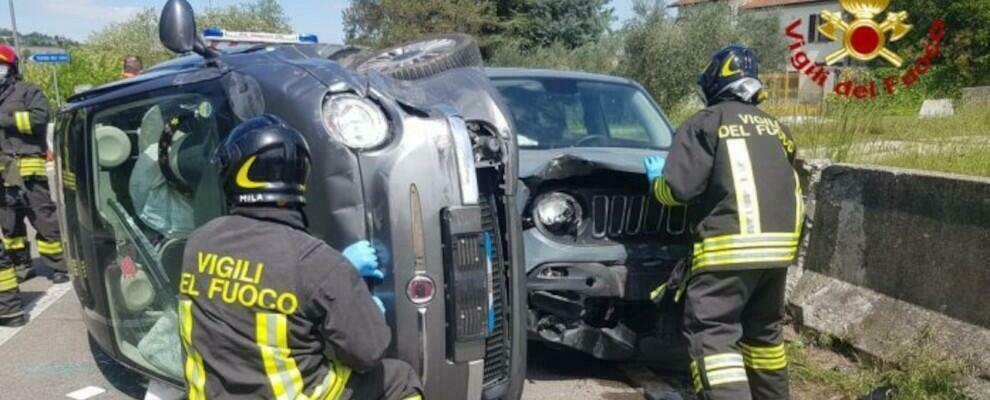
x=569, y=162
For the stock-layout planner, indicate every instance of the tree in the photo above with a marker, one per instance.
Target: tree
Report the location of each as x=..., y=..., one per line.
x=571, y=23
x=259, y=16
x=966, y=46
x=383, y=23
x=666, y=53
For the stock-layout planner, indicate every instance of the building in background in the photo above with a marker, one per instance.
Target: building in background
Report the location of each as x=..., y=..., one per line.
x=792, y=85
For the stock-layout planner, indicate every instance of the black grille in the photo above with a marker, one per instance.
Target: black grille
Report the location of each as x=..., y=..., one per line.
x=497, y=345
x=619, y=215
x=468, y=270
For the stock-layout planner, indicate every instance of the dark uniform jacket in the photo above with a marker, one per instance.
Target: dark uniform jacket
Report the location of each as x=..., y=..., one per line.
x=24, y=114
x=268, y=311
x=733, y=164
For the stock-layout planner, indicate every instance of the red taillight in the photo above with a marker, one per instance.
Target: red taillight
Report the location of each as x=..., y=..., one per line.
x=420, y=289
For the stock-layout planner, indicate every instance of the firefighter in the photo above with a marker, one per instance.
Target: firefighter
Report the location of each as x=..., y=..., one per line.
x=732, y=165
x=267, y=310
x=24, y=114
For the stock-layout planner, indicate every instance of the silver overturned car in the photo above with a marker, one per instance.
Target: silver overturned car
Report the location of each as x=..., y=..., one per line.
x=596, y=241
x=412, y=150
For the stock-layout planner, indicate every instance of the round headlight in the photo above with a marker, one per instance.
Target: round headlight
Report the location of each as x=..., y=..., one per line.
x=356, y=122
x=558, y=213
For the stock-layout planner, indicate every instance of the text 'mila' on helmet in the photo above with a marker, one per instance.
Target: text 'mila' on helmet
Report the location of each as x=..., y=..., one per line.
x=263, y=161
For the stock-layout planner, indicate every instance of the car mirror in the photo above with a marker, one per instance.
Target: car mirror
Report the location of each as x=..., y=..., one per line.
x=177, y=26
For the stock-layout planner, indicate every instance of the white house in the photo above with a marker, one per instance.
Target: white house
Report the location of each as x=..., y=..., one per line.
x=793, y=84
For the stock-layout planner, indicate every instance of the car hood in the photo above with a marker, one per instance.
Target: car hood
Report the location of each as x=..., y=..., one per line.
x=568, y=162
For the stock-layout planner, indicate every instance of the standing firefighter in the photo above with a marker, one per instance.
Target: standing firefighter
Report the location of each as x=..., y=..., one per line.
x=732, y=163
x=268, y=311
x=24, y=113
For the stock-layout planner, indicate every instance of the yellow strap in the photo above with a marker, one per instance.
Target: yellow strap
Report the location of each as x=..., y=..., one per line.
x=663, y=193
x=8, y=279
x=414, y=397
x=195, y=372
x=49, y=248
x=744, y=256
x=23, y=121
x=724, y=360
x=272, y=340
x=14, y=243
x=726, y=376
x=744, y=184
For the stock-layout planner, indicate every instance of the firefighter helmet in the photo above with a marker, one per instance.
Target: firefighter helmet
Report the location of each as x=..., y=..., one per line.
x=9, y=56
x=732, y=73
x=264, y=161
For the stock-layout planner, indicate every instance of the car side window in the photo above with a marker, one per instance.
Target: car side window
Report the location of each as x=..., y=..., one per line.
x=154, y=185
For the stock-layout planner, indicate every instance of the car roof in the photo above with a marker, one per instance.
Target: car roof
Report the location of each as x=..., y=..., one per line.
x=496, y=73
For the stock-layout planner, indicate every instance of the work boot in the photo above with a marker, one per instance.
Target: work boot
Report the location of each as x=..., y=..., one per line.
x=59, y=277
x=24, y=273
x=14, y=322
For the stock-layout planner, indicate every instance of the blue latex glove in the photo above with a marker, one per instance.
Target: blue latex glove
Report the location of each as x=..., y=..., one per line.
x=364, y=257
x=378, y=302
x=654, y=167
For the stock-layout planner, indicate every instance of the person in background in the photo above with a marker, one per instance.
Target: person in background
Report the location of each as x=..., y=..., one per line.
x=266, y=310
x=132, y=66
x=732, y=164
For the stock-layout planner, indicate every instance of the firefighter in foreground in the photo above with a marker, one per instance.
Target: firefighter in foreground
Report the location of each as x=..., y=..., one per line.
x=732, y=164
x=268, y=311
x=24, y=115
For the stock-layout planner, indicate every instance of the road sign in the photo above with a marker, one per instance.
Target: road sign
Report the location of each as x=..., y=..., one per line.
x=50, y=58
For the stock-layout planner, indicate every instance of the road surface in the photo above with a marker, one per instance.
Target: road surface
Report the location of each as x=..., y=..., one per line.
x=53, y=358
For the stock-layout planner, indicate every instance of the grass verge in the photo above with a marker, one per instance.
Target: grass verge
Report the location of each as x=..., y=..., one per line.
x=825, y=368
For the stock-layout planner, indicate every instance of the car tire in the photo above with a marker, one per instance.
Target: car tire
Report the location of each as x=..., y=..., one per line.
x=425, y=57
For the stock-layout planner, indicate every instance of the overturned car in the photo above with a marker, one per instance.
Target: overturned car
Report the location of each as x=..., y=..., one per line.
x=424, y=168
x=597, y=243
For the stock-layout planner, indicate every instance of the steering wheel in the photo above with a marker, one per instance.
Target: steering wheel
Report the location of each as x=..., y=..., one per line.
x=589, y=139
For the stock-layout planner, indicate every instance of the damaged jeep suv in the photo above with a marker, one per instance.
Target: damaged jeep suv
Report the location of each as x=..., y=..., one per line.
x=596, y=241
x=424, y=168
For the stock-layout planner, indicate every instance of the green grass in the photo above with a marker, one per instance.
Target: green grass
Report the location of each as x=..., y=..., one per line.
x=919, y=372
x=865, y=134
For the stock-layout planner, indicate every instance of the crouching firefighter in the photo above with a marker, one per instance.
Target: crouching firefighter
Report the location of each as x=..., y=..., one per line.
x=268, y=311
x=733, y=165
x=24, y=114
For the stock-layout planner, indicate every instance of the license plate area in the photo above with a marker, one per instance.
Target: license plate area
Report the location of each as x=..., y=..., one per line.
x=467, y=277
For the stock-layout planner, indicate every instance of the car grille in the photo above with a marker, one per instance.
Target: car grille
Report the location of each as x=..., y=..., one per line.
x=497, y=345
x=618, y=216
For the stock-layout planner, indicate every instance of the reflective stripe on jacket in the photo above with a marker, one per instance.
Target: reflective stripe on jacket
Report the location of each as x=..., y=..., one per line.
x=734, y=164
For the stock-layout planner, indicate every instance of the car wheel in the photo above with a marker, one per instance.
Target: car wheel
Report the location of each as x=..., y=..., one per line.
x=425, y=57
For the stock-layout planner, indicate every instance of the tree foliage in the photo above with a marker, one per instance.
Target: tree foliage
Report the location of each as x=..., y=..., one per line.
x=100, y=59
x=570, y=23
x=966, y=45
x=666, y=53
x=525, y=23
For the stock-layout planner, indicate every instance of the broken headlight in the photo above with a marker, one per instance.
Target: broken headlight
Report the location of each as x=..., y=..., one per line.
x=557, y=213
x=356, y=122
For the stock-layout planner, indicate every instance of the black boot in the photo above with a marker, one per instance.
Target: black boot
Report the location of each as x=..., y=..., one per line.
x=59, y=277
x=14, y=322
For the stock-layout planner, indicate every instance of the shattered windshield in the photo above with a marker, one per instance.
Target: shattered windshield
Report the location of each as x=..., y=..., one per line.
x=565, y=112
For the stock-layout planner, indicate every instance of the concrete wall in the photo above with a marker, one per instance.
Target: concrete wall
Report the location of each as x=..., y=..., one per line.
x=896, y=256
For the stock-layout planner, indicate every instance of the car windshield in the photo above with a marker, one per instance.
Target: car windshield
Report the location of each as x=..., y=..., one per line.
x=571, y=112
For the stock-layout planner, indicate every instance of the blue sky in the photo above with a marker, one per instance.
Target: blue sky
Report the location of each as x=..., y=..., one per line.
x=78, y=18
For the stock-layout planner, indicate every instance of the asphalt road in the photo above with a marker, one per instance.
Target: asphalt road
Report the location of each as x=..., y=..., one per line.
x=52, y=358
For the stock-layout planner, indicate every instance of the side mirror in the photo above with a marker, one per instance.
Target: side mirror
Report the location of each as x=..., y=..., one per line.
x=177, y=27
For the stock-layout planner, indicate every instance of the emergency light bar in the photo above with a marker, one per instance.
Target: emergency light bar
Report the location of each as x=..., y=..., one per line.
x=215, y=35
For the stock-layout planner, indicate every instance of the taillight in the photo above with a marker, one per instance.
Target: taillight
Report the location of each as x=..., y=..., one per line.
x=420, y=289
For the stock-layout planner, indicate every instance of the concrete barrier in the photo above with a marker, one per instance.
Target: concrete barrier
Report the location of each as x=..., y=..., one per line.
x=896, y=256
x=976, y=96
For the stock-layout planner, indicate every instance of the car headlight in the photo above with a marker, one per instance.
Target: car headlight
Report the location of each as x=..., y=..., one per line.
x=356, y=122
x=558, y=213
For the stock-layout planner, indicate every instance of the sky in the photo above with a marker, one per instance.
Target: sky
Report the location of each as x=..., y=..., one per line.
x=78, y=18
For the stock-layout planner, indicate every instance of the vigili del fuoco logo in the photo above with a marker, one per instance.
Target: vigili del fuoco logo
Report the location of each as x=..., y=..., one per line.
x=865, y=39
